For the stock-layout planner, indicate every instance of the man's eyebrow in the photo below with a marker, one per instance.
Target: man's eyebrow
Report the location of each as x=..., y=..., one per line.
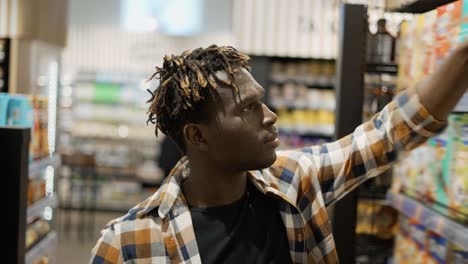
x=254, y=96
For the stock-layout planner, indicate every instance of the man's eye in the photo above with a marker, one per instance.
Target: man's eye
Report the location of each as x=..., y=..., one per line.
x=248, y=108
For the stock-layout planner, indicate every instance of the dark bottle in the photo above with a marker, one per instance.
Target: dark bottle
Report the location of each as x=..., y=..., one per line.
x=384, y=51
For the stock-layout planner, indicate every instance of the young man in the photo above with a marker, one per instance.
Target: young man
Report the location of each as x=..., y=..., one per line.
x=232, y=198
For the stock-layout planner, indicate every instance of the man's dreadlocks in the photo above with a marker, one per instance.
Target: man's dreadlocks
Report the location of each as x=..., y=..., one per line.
x=186, y=85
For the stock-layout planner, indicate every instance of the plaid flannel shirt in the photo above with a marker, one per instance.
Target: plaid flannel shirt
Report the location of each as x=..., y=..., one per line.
x=159, y=230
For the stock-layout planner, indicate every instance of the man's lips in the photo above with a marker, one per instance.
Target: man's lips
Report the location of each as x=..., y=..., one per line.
x=271, y=137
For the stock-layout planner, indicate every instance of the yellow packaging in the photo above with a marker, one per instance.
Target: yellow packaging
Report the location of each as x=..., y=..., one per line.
x=404, y=58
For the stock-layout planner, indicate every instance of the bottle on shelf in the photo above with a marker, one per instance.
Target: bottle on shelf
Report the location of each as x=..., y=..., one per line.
x=382, y=45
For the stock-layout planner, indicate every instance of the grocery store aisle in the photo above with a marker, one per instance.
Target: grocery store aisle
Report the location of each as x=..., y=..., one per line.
x=74, y=246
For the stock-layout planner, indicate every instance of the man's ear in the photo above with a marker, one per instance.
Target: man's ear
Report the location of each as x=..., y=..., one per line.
x=195, y=136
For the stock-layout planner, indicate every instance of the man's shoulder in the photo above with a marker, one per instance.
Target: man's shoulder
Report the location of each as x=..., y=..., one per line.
x=141, y=216
x=130, y=226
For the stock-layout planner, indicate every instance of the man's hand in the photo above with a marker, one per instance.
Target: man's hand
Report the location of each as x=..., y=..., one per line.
x=441, y=91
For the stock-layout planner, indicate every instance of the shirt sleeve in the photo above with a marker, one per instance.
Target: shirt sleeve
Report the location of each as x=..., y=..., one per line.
x=341, y=166
x=107, y=249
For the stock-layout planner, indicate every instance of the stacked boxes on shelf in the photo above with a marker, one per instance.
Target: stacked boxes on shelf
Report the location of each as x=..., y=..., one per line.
x=302, y=95
x=416, y=245
x=435, y=172
x=27, y=111
x=377, y=219
x=428, y=39
x=107, y=120
x=110, y=110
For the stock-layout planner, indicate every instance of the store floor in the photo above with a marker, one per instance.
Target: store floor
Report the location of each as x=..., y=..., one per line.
x=77, y=234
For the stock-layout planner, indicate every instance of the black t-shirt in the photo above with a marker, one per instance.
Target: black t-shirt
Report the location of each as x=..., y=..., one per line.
x=247, y=231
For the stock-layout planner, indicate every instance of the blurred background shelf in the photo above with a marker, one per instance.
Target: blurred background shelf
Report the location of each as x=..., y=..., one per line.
x=37, y=166
x=311, y=81
x=432, y=220
x=45, y=246
x=325, y=133
x=103, y=206
x=390, y=68
x=36, y=209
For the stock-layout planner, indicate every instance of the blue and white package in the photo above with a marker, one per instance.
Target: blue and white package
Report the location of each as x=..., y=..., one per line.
x=4, y=98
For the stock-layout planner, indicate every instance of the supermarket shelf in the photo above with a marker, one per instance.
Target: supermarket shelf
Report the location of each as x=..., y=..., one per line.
x=382, y=68
x=382, y=202
x=133, y=123
x=291, y=106
x=113, y=138
x=421, y=6
x=305, y=133
x=117, y=207
x=372, y=196
x=120, y=140
x=293, y=58
x=38, y=166
x=129, y=105
x=438, y=223
x=36, y=209
x=319, y=82
x=47, y=244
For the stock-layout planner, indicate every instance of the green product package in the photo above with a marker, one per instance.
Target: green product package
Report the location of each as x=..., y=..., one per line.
x=449, y=186
x=438, y=189
x=107, y=93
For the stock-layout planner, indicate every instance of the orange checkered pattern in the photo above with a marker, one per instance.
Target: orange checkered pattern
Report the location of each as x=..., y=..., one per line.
x=306, y=181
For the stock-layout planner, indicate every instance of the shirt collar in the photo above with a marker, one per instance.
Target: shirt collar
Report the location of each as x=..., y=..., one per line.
x=165, y=198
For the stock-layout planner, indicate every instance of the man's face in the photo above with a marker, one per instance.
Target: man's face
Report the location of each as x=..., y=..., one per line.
x=242, y=136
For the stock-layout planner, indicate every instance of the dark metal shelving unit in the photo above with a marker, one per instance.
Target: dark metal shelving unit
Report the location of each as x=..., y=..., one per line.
x=349, y=93
x=17, y=169
x=421, y=6
x=15, y=161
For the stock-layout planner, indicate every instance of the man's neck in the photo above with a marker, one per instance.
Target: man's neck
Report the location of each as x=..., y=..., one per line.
x=208, y=186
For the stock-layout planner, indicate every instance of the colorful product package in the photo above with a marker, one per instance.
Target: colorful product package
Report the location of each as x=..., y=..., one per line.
x=447, y=191
x=437, y=248
x=20, y=111
x=405, y=56
x=4, y=98
x=437, y=188
x=416, y=174
x=404, y=247
x=39, y=139
x=418, y=235
x=419, y=52
x=410, y=243
x=436, y=172
x=457, y=255
x=458, y=167
x=428, y=42
x=448, y=28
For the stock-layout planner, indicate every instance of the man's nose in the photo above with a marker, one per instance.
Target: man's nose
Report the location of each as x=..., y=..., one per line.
x=270, y=118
